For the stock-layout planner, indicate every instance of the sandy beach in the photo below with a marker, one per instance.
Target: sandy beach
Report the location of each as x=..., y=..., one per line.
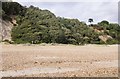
x=59, y=61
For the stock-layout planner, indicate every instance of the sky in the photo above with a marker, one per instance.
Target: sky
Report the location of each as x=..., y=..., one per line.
x=82, y=9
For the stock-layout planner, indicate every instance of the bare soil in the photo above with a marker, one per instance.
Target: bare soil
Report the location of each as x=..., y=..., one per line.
x=59, y=60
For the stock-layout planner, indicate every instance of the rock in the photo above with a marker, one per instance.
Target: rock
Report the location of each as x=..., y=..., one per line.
x=5, y=30
x=35, y=62
x=105, y=37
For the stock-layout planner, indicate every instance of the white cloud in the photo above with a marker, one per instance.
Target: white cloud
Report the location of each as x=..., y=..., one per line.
x=67, y=0
x=82, y=10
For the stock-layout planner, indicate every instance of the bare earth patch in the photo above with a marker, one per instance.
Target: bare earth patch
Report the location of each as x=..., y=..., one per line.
x=59, y=61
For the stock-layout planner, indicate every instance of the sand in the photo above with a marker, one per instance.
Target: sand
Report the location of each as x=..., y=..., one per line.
x=59, y=61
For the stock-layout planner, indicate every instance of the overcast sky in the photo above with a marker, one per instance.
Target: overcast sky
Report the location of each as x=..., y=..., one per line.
x=82, y=10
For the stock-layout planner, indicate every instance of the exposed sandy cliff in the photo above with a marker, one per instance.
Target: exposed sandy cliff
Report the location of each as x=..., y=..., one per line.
x=5, y=30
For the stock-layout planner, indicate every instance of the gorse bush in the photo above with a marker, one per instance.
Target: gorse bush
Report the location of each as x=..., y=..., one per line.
x=41, y=26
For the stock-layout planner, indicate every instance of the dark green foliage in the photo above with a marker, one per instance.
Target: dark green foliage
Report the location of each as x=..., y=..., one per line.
x=104, y=22
x=12, y=8
x=90, y=20
x=41, y=26
x=7, y=41
x=111, y=41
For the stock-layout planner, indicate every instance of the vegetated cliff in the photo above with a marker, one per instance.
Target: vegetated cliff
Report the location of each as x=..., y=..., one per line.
x=7, y=21
x=33, y=25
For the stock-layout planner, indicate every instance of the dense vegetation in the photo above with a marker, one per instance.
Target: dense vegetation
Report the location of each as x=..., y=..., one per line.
x=41, y=26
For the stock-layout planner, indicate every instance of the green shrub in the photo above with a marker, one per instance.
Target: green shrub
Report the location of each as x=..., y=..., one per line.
x=72, y=41
x=7, y=41
x=112, y=41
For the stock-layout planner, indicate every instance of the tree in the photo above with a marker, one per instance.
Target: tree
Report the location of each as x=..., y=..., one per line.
x=104, y=22
x=90, y=20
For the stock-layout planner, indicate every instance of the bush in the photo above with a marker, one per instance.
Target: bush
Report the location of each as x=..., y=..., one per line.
x=7, y=41
x=72, y=41
x=19, y=41
x=112, y=41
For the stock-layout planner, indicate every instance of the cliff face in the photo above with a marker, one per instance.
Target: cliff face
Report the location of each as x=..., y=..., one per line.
x=5, y=30
x=0, y=29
